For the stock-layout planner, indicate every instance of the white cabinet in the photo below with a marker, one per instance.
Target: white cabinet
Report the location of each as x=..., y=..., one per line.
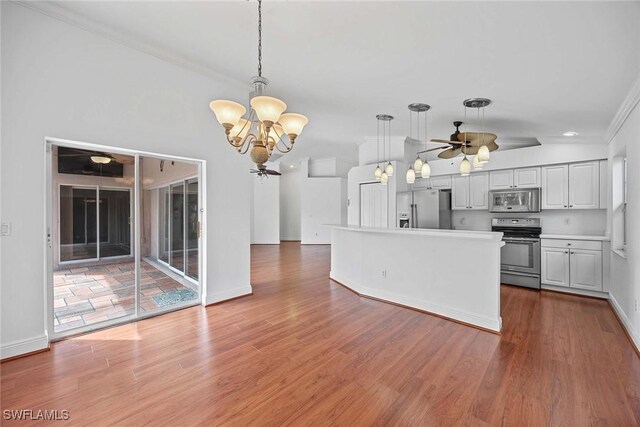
x=555, y=266
x=572, y=263
x=470, y=192
x=555, y=187
x=501, y=180
x=573, y=186
x=440, y=182
x=526, y=178
x=460, y=192
x=586, y=269
x=514, y=178
x=374, y=205
x=584, y=185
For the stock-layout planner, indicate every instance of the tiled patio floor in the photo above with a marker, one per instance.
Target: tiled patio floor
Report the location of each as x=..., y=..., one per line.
x=88, y=295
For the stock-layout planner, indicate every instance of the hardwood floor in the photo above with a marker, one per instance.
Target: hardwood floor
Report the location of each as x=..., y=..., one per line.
x=305, y=351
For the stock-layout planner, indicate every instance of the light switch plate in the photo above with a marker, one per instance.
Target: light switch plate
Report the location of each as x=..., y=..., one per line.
x=5, y=229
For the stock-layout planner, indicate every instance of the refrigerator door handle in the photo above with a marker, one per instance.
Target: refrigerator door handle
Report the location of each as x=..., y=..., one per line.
x=415, y=215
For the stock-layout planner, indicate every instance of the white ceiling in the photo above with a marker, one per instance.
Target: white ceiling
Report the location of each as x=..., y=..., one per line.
x=549, y=67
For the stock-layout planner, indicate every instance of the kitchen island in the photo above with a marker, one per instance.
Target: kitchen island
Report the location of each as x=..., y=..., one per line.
x=449, y=273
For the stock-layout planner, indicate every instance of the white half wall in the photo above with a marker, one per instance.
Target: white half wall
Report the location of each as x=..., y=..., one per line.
x=625, y=266
x=290, y=213
x=64, y=82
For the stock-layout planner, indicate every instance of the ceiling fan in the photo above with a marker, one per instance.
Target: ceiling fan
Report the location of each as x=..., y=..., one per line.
x=464, y=143
x=262, y=171
x=76, y=152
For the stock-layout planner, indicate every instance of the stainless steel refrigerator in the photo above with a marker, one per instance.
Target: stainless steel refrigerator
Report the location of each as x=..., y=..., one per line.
x=424, y=208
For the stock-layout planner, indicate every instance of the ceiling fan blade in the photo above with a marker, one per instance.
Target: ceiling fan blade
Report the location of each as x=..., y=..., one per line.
x=272, y=172
x=444, y=141
x=432, y=149
x=450, y=153
x=477, y=137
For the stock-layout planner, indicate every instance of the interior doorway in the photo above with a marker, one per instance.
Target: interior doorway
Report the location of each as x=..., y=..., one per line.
x=124, y=237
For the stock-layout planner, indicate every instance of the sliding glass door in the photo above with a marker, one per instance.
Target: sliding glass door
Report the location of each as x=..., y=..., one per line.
x=95, y=223
x=179, y=227
x=125, y=238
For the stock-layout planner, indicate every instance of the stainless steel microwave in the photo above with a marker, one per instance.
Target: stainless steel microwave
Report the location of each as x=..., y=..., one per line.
x=520, y=200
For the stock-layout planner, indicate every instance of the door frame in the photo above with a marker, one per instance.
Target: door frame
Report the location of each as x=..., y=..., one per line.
x=137, y=222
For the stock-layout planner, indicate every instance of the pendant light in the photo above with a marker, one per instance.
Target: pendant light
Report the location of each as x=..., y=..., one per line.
x=420, y=167
x=388, y=170
x=482, y=155
x=465, y=166
x=378, y=172
x=411, y=176
x=476, y=164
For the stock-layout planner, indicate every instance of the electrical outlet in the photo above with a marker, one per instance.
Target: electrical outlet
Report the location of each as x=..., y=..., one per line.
x=5, y=229
x=567, y=221
x=383, y=273
x=463, y=221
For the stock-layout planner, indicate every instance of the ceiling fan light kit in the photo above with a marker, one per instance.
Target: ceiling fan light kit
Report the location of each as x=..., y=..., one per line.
x=268, y=127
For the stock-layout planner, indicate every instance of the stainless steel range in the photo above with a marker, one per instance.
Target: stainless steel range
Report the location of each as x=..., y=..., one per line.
x=520, y=256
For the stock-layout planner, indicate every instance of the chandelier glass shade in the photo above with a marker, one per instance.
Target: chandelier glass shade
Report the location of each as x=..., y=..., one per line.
x=477, y=164
x=384, y=178
x=483, y=154
x=389, y=169
x=378, y=173
x=267, y=128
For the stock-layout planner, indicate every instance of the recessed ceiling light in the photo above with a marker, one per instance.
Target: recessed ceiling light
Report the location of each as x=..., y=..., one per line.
x=571, y=133
x=291, y=166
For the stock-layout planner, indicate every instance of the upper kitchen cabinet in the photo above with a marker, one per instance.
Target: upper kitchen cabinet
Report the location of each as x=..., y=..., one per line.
x=514, y=178
x=470, y=192
x=440, y=182
x=584, y=185
x=573, y=186
x=526, y=178
x=555, y=187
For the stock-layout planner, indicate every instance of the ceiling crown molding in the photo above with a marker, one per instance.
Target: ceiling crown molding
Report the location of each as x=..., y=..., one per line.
x=60, y=13
x=631, y=100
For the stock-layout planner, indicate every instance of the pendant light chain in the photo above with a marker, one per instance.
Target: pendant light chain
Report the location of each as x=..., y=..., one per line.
x=259, y=38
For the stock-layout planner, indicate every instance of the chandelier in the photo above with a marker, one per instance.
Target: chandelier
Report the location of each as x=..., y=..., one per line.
x=482, y=154
x=267, y=128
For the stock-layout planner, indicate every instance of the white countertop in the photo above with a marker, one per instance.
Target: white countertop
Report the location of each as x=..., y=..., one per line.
x=455, y=234
x=575, y=237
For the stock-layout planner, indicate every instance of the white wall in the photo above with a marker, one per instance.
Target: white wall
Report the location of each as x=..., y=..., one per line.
x=322, y=202
x=625, y=272
x=60, y=81
x=265, y=209
x=369, y=152
x=290, y=214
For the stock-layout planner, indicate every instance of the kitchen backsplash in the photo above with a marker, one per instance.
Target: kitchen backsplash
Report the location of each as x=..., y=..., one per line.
x=553, y=221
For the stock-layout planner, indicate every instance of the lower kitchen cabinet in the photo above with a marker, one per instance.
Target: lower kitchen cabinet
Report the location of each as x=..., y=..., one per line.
x=555, y=266
x=586, y=269
x=572, y=263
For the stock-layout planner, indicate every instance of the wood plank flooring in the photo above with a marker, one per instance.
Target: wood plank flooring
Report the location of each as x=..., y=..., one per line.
x=305, y=351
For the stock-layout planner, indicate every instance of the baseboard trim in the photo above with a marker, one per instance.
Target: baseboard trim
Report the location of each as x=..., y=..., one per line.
x=420, y=310
x=573, y=291
x=22, y=348
x=627, y=327
x=228, y=295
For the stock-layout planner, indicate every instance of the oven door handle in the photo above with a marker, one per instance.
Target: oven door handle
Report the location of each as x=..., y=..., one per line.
x=520, y=239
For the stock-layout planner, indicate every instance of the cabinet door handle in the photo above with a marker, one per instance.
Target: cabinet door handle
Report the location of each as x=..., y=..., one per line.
x=565, y=206
x=570, y=206
x=566, y=252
